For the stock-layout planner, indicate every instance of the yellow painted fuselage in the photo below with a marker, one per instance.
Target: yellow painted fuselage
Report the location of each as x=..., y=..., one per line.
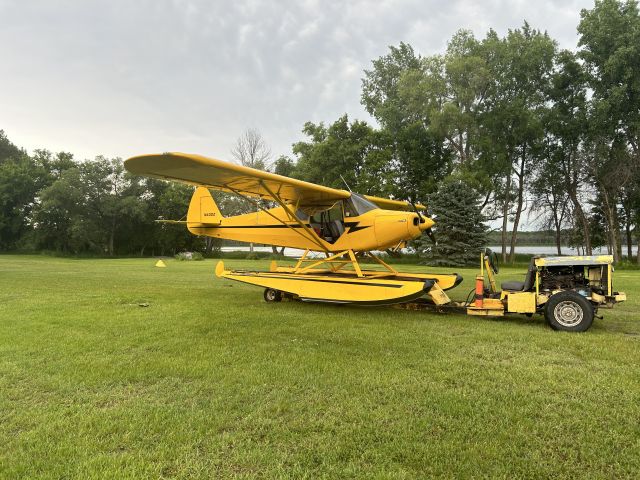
x=376, y=229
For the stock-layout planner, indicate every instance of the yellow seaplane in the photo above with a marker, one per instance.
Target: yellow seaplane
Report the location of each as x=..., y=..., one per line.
x=336, y=228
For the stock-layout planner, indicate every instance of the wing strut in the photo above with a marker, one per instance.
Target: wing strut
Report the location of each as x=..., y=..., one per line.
x=293, y=217
x=314, y=238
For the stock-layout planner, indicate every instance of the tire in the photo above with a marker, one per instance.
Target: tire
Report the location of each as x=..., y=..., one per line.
x=272, y=295
x=569, y=311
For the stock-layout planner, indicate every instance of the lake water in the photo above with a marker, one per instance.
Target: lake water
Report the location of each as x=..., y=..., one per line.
x=549, y=250
x=531, y=250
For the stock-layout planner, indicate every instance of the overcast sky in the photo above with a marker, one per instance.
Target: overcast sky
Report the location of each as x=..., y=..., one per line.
x=121, y=78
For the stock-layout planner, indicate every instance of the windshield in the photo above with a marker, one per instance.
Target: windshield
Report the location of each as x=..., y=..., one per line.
x=357, y=205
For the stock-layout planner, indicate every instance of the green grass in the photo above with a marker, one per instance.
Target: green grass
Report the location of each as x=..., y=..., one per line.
x=208, y=381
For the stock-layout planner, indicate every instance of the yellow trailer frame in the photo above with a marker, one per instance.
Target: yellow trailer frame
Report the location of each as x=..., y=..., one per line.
x=340, y=278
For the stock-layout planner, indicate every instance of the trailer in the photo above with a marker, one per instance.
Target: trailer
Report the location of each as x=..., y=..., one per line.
x=567, y=290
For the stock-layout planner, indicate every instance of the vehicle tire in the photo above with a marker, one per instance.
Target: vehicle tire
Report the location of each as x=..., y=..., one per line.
x=272, y=295
x=569, y=311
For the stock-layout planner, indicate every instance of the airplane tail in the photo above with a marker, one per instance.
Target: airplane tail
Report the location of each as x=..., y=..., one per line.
x=203, y=209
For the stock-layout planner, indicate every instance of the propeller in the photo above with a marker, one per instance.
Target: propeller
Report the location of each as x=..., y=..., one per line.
x=428, y=231
x=431, y=236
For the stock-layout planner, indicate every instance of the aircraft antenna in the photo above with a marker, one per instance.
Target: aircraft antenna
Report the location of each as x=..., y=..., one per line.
x=345, y=182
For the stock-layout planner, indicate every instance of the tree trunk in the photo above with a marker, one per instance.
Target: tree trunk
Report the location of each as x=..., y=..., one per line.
x=274, y=249
x=111, y=235
x=612, y=222
x=571, y=170
x=638, y=252
x=208, y=245
x=582, y=220
x=516, y=221
x=629, y=242
x=558, y=218
x=559, y=238
x=617, y=234
x=251, y=248
x=505, y=217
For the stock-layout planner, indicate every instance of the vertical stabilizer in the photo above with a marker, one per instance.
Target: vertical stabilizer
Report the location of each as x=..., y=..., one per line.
x=203, y=209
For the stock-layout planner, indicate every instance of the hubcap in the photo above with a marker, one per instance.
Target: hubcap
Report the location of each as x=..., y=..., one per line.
x=568, y=313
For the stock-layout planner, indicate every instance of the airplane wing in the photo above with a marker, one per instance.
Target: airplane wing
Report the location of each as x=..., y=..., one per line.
x=219, y=175
x=388, y=204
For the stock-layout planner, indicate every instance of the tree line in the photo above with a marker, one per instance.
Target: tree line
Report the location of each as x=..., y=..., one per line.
x=531, y=128
x=532, y=131
x=52, y=202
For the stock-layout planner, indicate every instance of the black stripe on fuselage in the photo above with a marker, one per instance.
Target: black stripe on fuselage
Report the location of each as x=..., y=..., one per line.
x=253, y=226
x=353, y=226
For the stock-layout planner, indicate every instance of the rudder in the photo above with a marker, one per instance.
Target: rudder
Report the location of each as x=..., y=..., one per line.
x=203, y=209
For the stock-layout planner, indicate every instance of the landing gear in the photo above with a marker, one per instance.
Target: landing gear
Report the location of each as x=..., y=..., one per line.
x=272, y=295
x=340, y=279
x=569, y=311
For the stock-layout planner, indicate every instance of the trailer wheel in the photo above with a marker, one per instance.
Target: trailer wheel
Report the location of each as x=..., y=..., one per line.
x=272, y=295
x=569, y=311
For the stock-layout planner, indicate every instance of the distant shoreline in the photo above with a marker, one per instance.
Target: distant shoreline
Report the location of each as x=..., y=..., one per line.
x=520, y=249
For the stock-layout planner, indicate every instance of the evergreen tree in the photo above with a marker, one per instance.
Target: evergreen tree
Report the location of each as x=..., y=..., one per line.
x=460, y=228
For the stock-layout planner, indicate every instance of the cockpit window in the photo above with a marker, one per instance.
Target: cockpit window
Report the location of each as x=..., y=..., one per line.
x=357, y=205
x=302, y=215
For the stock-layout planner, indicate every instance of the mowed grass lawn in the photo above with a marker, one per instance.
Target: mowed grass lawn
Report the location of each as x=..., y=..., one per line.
x=209, y=381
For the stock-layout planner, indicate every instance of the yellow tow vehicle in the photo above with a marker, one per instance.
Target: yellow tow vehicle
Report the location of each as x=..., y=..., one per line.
x=568, y=290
